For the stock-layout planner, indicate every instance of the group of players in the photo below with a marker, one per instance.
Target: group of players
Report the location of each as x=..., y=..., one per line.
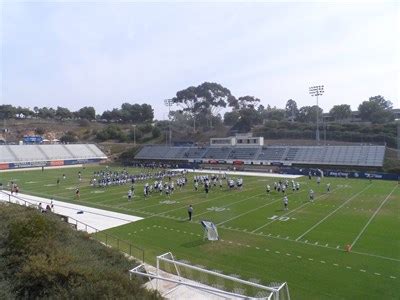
x=295, y=187
x=166, y=182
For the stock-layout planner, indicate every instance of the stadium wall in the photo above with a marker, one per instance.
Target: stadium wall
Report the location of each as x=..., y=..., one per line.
x=340, y=173
x=49, y=163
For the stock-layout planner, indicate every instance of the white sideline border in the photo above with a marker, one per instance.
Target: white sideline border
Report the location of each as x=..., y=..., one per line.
x=39, y=168
x=241, y=173
x=97, y=218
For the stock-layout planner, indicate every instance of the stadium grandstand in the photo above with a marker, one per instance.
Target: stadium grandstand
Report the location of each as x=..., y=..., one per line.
x=24, y=156
x=256, y=153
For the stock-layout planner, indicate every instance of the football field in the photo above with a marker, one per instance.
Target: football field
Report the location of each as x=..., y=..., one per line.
x=304, y=246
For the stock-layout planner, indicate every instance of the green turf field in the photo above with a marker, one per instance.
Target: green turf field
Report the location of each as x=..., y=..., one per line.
x=303, y=246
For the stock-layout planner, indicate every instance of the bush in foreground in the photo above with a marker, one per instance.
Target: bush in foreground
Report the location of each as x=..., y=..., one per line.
x=41, y=257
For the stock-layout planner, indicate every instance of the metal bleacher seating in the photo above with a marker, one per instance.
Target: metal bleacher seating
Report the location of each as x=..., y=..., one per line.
x=314, y=155
x=243, y=153
x=218, y=153
x=195, y=152
x=272, y=153
x=55, y=151
x=30, y=153
x=6, y=154
x=152, y=152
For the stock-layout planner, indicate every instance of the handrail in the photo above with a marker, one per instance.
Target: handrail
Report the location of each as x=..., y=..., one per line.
x=108, y=237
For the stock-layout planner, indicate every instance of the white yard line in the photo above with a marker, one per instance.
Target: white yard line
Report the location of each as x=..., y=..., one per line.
x=289, y=213
x=232, y=203
x=331, y=213
x=372, y=217
x=257, y=208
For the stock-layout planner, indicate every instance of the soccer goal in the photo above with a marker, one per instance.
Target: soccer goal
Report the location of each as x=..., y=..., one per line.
x=210, y=231
x=173, y=278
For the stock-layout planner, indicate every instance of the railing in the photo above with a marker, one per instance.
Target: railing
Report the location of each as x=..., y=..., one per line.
x=103, y=237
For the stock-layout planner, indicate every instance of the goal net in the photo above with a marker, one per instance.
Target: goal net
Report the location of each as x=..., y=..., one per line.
x=210, y=231
x=173, y=277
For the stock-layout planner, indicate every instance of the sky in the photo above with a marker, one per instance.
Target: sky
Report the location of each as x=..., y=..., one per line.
x=102, y=54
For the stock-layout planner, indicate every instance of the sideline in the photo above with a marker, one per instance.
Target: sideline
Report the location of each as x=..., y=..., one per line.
x=372, y=217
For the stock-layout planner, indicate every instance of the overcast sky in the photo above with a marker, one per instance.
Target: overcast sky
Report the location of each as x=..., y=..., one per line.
x=102, y=54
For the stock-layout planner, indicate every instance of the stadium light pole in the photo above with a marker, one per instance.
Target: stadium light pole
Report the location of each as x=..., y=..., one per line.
x=316, y=91
x=169, y=103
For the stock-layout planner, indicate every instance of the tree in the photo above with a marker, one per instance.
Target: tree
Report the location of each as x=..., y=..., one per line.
x=308, y=114
x=208, y=98
x=276, y=114
x=63, y=113
x=46, y=113
x=243, y=102
x=376, y=110
x=7, y=111
x=147, y=113
x=291, y=110
x=188, y=100
x=69, y=137
x=230, y=118
x=340, y=112
x=87, y=112
x=214, y=97
x=250, y=116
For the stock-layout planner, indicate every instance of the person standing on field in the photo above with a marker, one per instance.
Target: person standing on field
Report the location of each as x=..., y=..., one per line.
x=285, y=202
x=190, y=212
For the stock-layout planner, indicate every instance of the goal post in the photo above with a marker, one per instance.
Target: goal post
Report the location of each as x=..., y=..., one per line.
x=210, y=230
x=178, y=277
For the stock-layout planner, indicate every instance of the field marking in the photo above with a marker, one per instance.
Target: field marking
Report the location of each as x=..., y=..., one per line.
x=181, y=207
x=94, y=204
x=249, y=211
x=232, y=203
x=332, y=212
x=375, y=255
x=372, y=217
x=288, y=213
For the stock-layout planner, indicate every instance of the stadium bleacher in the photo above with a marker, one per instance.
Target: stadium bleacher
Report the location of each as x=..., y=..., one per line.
x=243, y=153
x=36, y=153
x=272, y=153
x=218, y=153
x=363, y=155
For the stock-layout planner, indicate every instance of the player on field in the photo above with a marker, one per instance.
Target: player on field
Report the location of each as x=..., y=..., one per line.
x=268, y=188
x=328, y=187
x=311, y=195
x=129, y=195
x=77, y=194
x=206, y=187
x=285, y=202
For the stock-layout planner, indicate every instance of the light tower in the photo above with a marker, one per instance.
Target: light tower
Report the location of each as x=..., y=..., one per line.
x=169, y=103
x=316, y=91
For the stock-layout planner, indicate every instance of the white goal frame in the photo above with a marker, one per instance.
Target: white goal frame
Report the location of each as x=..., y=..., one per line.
x=274, y=293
